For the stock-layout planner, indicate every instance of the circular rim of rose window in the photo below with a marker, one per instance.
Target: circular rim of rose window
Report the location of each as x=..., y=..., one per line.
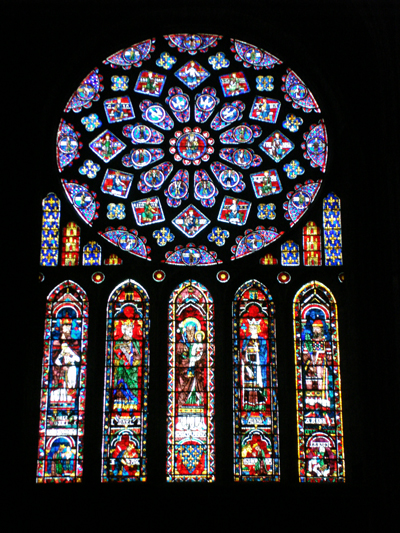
x=191, y=149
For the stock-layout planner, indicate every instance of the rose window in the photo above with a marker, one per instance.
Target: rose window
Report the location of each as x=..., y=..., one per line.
x=206, y=149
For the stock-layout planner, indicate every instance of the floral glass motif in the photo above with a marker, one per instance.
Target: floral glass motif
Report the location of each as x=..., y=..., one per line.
x=116, y=211
x=176, y=108
x=163, y=236
x=255, y=385
x=91, y=254
x=51, y=208
x=218, y=236
x=91, y=122
x=266, y=211
x=190, y=411
x=332, y=230
x=312, y=253
x=318, y=386
x=63, y=388
x=70, y=245
x=126, y=382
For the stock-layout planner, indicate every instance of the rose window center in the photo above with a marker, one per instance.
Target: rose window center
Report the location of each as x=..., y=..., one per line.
x=191, y=146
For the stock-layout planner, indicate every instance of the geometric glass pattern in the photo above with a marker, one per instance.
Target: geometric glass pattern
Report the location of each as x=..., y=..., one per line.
x=332, y=230
x=318, y=387
x=190, y=410
x=70, y=245
x=255, y=385
x=63, y=394
x=126, y=384
x=312, y=255
x=50, y=230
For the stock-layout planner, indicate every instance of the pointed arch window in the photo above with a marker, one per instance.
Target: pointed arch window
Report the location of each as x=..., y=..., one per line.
x=190, y=411
x=126, y=384
x=318, y=388
x=255, y=382
x=63, y=389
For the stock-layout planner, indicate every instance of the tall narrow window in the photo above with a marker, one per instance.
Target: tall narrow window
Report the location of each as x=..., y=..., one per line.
x=332, y=230
x=319, y=403
x=50, y=230
x=126, y=384
x=62, y=407
x=312, y=245
x=71, y=245
x=255, y=405
x=190, y=415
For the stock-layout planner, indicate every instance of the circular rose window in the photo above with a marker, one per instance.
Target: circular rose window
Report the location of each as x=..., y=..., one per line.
x=191, y=149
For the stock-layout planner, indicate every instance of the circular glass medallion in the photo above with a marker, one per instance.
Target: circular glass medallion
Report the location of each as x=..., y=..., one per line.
x=179, y=103
x=140, y=133
x=283, y=277
x=98, y=277
x=242, y=157
x=206, y=102
x=68, y=144
x=191, y=146
x=155, y=113
x=127, y=242
x=159, y=275
x=316, y=146
x=223, y=276
x=242, y=134
x=141, y=157
x=253, y=56
x=178, y=189
x=254, y=242
x=229, y=113
x=229, y=178
x=301, y=200
x=191, y=256
x=85, y=92
x=192, y=42
x=132, y=55
x=205, y=189
x=153, y=178
x=82, y=200
x=297, y=91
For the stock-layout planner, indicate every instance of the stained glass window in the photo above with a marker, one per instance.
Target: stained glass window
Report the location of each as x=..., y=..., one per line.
x=50, y=230
x=190, y=411
x=186, y=151
x=255, y=381
x=332, y=230
x=290, y=255
x=91, y=254
x=63, y=394
x=318, y=387
x=71, y=245
x=126, y=384
x=312, y=254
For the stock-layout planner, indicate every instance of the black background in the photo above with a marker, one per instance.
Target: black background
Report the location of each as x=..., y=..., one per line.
x=347, y=52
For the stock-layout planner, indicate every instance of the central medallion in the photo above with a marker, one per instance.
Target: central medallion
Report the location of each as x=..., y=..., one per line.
x=191, y=146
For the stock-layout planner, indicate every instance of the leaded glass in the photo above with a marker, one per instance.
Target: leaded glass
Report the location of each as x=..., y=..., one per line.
x=63, y=389
x=312, y=254
x=70, y=245
x=255, y=382
x=318, y=386
x=332, y=230
x=50, y=230
x=191, y=128
x=126, y=384
x=190, y=411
